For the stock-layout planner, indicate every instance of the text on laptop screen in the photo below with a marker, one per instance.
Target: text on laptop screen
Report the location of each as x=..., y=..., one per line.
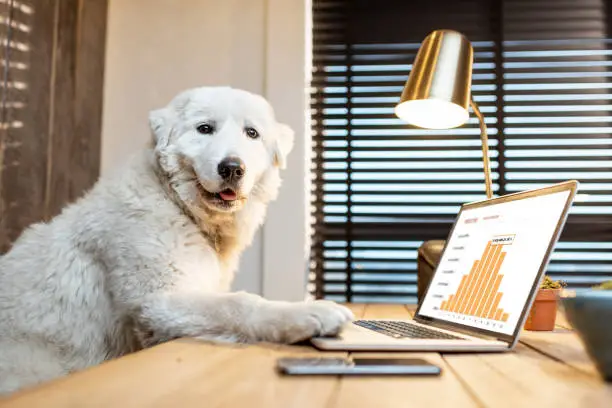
x=491, y=261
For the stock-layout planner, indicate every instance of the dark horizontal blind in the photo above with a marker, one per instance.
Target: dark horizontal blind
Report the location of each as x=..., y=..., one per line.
x=16, y=19
x=382, y=187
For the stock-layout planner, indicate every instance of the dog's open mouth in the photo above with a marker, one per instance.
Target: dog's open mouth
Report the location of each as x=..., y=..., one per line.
x=225, y=199
x=227, y=195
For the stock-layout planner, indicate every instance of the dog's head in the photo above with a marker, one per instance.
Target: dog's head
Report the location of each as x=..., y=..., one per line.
x=220, y=147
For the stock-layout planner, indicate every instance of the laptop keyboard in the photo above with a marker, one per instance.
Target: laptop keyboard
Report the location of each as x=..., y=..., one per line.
x=399, y=329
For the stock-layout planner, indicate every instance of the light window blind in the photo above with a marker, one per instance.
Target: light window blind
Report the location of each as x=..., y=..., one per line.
x=15, y=21
x=382, y=187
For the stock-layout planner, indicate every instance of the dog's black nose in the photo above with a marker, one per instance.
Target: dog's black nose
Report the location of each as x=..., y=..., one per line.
x=231, y=168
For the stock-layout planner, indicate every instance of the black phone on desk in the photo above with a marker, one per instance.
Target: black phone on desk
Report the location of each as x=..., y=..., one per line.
x=356, y=366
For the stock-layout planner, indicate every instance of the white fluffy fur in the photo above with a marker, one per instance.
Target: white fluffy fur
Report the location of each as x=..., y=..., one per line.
x=146, y=257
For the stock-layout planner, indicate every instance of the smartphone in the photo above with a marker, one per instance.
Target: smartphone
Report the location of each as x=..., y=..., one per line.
x=356, y=366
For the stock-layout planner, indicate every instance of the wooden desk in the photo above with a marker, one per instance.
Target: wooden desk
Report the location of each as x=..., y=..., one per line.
x=546, y=370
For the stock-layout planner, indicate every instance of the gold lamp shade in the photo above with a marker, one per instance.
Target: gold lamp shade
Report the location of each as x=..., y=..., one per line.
x=437, y=94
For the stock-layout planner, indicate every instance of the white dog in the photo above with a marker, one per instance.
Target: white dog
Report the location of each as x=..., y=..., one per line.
x=149, y=253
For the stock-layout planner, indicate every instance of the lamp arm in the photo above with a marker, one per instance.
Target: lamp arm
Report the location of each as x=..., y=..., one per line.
x=485, y=148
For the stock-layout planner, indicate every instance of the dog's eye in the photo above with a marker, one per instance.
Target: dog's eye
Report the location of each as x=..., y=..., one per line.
x=252, y=133
x=205, y=129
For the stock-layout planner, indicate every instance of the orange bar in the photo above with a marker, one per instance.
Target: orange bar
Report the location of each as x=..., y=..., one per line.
x=479, y=291
x=498, y=313
x=485, y=287
x=469, y=294
x=443, y=306
x=504, y=317
x=492, y=284
x=458, y=293
x=462, y=290
x=466, y=301
x=452, y=305
x=491, y=314
x=451, y=299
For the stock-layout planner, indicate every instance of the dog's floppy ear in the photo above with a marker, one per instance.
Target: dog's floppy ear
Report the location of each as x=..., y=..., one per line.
x=160, y=123
x=283, y=145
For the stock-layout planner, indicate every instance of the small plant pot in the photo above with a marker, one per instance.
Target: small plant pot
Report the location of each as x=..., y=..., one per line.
x=544, y=311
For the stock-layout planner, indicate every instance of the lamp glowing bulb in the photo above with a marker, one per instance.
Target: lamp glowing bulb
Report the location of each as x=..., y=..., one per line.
x=432, y=113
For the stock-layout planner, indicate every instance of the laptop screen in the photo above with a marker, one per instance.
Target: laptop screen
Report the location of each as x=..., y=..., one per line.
x=491, y=261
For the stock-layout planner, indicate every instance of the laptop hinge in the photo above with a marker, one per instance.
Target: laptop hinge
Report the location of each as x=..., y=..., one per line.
x=462, y=330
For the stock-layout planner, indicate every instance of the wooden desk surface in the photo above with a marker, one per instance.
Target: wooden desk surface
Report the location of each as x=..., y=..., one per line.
x=545, y=370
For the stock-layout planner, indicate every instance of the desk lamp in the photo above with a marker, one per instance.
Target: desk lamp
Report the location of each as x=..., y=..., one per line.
x=437, y=93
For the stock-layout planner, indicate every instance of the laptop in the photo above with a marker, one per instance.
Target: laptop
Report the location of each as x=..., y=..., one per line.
x=487, y=278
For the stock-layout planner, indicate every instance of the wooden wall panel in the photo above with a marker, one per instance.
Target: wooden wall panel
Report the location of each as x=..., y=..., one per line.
x=62, y=127
x=90, y=57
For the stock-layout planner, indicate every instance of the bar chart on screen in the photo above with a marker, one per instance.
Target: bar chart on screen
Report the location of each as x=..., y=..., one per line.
x=492, y=262
x=478, y=293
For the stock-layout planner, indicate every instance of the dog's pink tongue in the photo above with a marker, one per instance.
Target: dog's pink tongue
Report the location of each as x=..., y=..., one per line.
x=228, y=195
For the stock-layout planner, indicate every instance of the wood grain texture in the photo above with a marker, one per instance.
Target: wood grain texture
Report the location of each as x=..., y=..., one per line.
x=555, y=361
x=526, y=378
x=254, y=382
x=358, y=309
x=563, y=345
x=411, y=309
x=61, y=127
x=187, y=373
x=561, y=320
x=77, y=89
x=443, y=391
x=88, y=98
x=190, y=373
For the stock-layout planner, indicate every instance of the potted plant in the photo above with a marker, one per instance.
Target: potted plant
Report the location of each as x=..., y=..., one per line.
x=544, y=310
x=604, y=286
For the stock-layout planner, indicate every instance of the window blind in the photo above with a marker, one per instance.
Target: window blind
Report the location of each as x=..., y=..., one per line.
x=15, y=21
x=382, y=187
x=15, y=27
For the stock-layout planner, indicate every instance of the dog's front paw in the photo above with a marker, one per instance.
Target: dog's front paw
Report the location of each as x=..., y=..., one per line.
x=295, y=322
